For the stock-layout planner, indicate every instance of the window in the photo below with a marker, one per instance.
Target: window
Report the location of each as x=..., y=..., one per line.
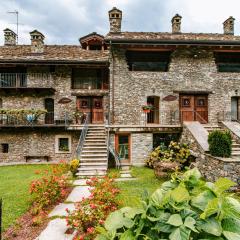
x=228, y=61
x=186, y=102
x=148, y=61
x=1, y=104
x=4, y=147
x=83, y=78
x=63, y=144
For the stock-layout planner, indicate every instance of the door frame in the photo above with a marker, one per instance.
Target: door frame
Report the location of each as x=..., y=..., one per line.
x=193, y=102
x=91, y=108
x=125, y=161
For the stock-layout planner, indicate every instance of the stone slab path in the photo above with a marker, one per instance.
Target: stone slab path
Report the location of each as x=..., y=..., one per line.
x=56, y=228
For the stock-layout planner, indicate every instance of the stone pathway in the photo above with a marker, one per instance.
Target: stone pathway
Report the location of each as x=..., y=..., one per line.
x=56, y=228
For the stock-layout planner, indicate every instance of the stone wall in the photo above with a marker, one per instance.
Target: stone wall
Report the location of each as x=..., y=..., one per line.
x=212, y=168
x=189, y=70
x=35, y=143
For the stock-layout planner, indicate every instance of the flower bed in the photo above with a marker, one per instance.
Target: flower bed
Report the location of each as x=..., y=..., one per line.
x=92, y=211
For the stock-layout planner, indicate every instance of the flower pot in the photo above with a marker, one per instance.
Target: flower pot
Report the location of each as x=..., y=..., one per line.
x=163, y=169
x=146, y=110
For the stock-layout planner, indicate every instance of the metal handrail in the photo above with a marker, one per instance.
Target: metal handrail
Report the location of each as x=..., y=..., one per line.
x=82, y=137
x=110, y=149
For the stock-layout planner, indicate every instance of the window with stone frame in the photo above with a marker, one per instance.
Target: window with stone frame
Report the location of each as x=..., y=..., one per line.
x=63, y=144
x=4, y=147
x=89, y=78
x=148, y=60
x=227, y=61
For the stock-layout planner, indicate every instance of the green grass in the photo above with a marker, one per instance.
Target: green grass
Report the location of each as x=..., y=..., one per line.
x=131, y=191
x=14, y=190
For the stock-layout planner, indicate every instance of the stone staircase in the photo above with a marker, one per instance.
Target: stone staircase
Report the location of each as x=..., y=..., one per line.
x=235, y=145
x=93, y=159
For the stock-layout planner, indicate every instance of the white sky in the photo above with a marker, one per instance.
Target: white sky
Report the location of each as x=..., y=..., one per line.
x=64, y=21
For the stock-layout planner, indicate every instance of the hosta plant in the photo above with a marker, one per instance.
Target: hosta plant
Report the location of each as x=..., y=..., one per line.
x=184, y=208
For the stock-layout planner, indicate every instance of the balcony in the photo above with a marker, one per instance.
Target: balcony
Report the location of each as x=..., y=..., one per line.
x=26, y=83
x=14, y=118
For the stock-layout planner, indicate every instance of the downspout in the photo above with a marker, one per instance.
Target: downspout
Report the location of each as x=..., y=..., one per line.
x=113, y=67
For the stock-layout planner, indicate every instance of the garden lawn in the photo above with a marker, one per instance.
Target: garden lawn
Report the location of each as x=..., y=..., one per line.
x=131, y=191
x=14, y=190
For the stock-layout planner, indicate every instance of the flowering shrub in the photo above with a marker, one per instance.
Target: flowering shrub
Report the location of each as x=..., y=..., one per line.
x=49, y=188
x=92, y=211
x=74, y=164
x=175, y=152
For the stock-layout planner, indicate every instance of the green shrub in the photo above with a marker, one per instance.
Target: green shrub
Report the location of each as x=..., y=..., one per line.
x=184, y=208
x=174, y=152
x=220, y=143
x=74, y=164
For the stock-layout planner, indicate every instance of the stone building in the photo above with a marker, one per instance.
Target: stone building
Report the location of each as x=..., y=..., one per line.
x=178, y=76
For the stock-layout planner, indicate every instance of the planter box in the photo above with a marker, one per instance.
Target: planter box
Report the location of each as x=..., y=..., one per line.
x=163, y=169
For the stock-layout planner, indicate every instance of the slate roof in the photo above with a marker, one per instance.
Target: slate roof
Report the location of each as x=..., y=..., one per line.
x=160, y=36
x=52, y=53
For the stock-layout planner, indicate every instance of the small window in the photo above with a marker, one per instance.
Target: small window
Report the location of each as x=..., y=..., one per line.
x=117, y=15
x=63, y=144
x=4, y=147
x=228, y=61
x=186, y=102
x=201, y=102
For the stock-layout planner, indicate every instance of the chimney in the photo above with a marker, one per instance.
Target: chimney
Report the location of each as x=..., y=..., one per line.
x=10, y=37
x=115, y=19
x=176, y=24
x=37, y=41
x=228, y=26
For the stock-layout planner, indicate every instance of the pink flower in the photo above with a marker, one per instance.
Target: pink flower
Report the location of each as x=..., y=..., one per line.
x=90, y=230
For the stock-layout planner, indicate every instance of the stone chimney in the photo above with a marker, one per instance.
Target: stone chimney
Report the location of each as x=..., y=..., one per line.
x=176, y=24
x=37, y=41
x=115, y=19
x=228, y=26
x=10, y=37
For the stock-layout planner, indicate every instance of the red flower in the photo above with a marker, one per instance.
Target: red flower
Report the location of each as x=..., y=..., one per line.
x=90, y=230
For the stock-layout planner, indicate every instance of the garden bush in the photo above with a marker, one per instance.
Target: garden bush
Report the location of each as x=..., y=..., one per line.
x=175, y=152
x=50, y=188
x=220, y=143
x=93, y=211
x=184, y=208
x=74, y=164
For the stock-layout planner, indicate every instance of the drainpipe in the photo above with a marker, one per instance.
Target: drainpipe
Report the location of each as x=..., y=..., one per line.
x=113, y=67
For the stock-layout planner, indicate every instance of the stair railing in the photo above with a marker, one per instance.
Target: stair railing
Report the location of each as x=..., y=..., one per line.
x=111, y=150
x=82, y=137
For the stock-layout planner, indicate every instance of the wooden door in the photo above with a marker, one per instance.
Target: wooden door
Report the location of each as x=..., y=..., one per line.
x=201, y=108
x=49, y=106
x=97, y=110
x=84, y=106
x=194, y=108
x=187, y=108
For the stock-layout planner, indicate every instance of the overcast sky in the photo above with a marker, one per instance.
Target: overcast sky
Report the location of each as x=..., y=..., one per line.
x=64, y=21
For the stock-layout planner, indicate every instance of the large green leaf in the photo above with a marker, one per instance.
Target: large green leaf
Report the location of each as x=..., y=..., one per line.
x=190, y=223
x=163, y=227
x=157, y=198
x=181, y=233
x=231, y=235
x=116, y=220
x=211, y=226
x=201, y=200
x=180, y=194
x=222, y=184
x=231, y=225
x=131, y=212
x=128, y=235
x=175, y=220
x=212, y=208
x=231, y=207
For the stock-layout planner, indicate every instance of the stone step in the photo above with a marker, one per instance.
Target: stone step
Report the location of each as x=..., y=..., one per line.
x=91, y=173
x=211, y=127
x=96, y=134
x=98, y=147
x=93, y=159
x=93, y=164
x=92, y=168
x=235, y=153
x=94, y=151
x=95, y=137
x=90, y=155
x=95, y=140
x=236, y=149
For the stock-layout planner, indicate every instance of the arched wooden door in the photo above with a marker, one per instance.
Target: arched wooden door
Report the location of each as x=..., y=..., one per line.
x=49, y=106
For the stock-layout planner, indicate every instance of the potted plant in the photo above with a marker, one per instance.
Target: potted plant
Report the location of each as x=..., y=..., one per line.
x=147, y=108
x=78, y=115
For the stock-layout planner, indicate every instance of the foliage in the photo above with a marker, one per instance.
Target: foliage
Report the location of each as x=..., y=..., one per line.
x=23, y=112
x=74, y=164
x=92, y=211
x=147, y=107
x=50, y=188
x=220, y=143
x=175, y=152
x=184, y=208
